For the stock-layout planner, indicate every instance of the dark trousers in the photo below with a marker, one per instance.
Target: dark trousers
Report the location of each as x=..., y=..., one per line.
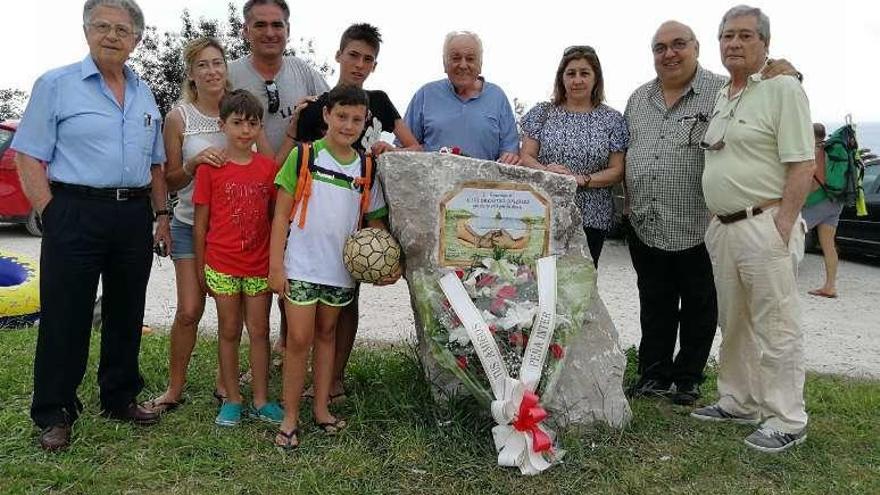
x=677, y=299
x=595, y=241
x=84, y=239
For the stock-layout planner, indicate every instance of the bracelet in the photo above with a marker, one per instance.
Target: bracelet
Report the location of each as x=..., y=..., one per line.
x=588, y=178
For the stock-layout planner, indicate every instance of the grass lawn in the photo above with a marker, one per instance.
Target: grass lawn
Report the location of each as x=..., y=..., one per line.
x=399, y=441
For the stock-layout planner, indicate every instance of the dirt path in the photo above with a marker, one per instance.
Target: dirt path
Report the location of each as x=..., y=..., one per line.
x=842, y=335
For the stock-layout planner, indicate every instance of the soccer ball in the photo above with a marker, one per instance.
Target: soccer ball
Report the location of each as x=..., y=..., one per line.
x=371, y=254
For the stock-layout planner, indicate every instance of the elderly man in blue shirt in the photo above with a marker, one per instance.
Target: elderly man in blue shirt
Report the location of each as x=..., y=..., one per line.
x=89, y=152
x=464, y=110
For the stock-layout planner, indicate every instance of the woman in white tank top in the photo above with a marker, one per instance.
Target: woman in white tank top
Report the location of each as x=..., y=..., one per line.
x=192, y=138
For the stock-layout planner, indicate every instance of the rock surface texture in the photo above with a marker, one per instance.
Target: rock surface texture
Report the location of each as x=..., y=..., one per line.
x=590, y=387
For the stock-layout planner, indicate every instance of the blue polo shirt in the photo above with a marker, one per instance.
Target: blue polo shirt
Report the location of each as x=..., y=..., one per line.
x=482, y=126
x=74, y=124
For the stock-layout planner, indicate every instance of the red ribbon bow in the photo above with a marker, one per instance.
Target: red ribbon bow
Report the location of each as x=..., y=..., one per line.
x=528, y=419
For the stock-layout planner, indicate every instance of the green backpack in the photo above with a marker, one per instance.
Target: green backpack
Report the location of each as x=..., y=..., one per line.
x=844, y=169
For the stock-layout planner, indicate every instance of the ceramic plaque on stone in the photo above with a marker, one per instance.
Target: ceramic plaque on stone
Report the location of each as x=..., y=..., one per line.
x=481, y=217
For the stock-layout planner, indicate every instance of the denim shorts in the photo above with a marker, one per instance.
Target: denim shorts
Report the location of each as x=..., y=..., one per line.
x=181, y=241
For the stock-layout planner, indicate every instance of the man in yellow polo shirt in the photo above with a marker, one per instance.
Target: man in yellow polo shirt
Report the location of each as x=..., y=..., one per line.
x=759, y=163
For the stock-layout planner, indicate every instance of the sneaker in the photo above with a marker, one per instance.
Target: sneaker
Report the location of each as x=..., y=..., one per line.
x=271, y=412
x=772, y=441
x=229, y=415
x=715, y=413
x=686, y=394
x=650, y=388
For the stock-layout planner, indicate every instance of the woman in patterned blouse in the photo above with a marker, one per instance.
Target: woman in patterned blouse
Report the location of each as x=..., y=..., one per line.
x=576, y=134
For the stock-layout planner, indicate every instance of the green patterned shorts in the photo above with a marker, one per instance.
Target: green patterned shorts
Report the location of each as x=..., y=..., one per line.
x=306, y=293
x=230, y=285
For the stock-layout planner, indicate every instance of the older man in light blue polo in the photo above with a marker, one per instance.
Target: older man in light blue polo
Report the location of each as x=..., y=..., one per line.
x=89, y=150
x=464, y=110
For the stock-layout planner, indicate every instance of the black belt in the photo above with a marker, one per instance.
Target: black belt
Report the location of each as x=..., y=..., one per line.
x=740, y=215
x=109, y=193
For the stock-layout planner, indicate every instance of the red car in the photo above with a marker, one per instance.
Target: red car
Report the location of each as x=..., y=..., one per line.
x=14, y=206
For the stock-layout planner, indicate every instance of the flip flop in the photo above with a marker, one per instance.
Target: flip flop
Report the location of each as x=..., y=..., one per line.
x=822, y=293
x=218, y=397
x=288, y=444
x=332, y=427
x=164, y=406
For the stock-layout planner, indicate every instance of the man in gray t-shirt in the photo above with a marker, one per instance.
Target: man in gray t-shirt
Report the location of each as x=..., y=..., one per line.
x=278, y=81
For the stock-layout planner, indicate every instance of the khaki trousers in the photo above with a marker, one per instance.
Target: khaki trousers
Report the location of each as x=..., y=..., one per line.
x=761, y=361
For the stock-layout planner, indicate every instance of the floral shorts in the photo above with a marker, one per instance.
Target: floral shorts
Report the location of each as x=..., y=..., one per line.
x=230, y=285
x=306, y=293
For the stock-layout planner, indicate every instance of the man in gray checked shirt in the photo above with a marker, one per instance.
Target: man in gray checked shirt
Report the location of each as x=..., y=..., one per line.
x=667, y=118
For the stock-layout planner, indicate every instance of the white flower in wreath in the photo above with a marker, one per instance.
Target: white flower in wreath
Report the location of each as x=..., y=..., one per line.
x=501, y=268
x=519, y=315
x=372, y=135
x=459, y=334
x=470, y=284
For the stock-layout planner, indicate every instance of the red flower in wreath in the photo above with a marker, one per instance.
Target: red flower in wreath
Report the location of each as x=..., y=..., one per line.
x=462, y=362
x=517, y=338
x=557, y=351
x=507, y=292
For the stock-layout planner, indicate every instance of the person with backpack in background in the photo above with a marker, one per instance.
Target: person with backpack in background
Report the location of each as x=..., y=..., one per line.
x=328, y=189
x=822, y=211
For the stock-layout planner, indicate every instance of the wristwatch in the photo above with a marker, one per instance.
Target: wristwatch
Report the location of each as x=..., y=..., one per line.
x=159, y=213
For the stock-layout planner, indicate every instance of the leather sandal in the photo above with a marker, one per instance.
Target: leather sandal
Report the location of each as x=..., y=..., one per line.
x=332, y=427
x=164, y=406
x=291, y=439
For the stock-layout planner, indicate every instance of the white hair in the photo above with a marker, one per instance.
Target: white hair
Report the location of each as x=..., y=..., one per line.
x=745, y=10
x=463, y=34
x=130, y=6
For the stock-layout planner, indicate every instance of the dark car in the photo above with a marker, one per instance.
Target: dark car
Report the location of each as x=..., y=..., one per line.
x=862, y=234
x=14, y=206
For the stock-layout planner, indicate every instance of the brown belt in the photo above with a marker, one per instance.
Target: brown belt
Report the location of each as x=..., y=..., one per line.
x=748, y=212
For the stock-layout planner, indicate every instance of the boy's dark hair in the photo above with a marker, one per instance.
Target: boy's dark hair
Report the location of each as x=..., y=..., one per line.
x=250, y=4
x=241, y=102
x=347, y=95
x=367, y=33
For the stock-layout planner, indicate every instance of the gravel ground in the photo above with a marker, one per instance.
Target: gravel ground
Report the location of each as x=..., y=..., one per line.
x=842, y=335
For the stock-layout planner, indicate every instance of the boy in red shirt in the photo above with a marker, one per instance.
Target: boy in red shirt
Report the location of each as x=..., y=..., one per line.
x=233, y=207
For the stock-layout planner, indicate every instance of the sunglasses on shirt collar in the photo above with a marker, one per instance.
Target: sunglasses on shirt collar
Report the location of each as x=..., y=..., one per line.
x=272, y=96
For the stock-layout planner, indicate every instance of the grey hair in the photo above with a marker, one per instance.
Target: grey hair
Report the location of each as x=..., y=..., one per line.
x=744, y=10
x=130, y=6
x=463, y=34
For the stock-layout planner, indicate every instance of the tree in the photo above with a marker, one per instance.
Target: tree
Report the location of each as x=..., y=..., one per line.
x=158, y=59
x=12, y=103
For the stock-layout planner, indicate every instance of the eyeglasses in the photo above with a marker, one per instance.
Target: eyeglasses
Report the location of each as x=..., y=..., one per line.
x=677, y=45
x=719, y=145
x=578, y=48
x=120, y=30
x=690, y=121
x=272, y=96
